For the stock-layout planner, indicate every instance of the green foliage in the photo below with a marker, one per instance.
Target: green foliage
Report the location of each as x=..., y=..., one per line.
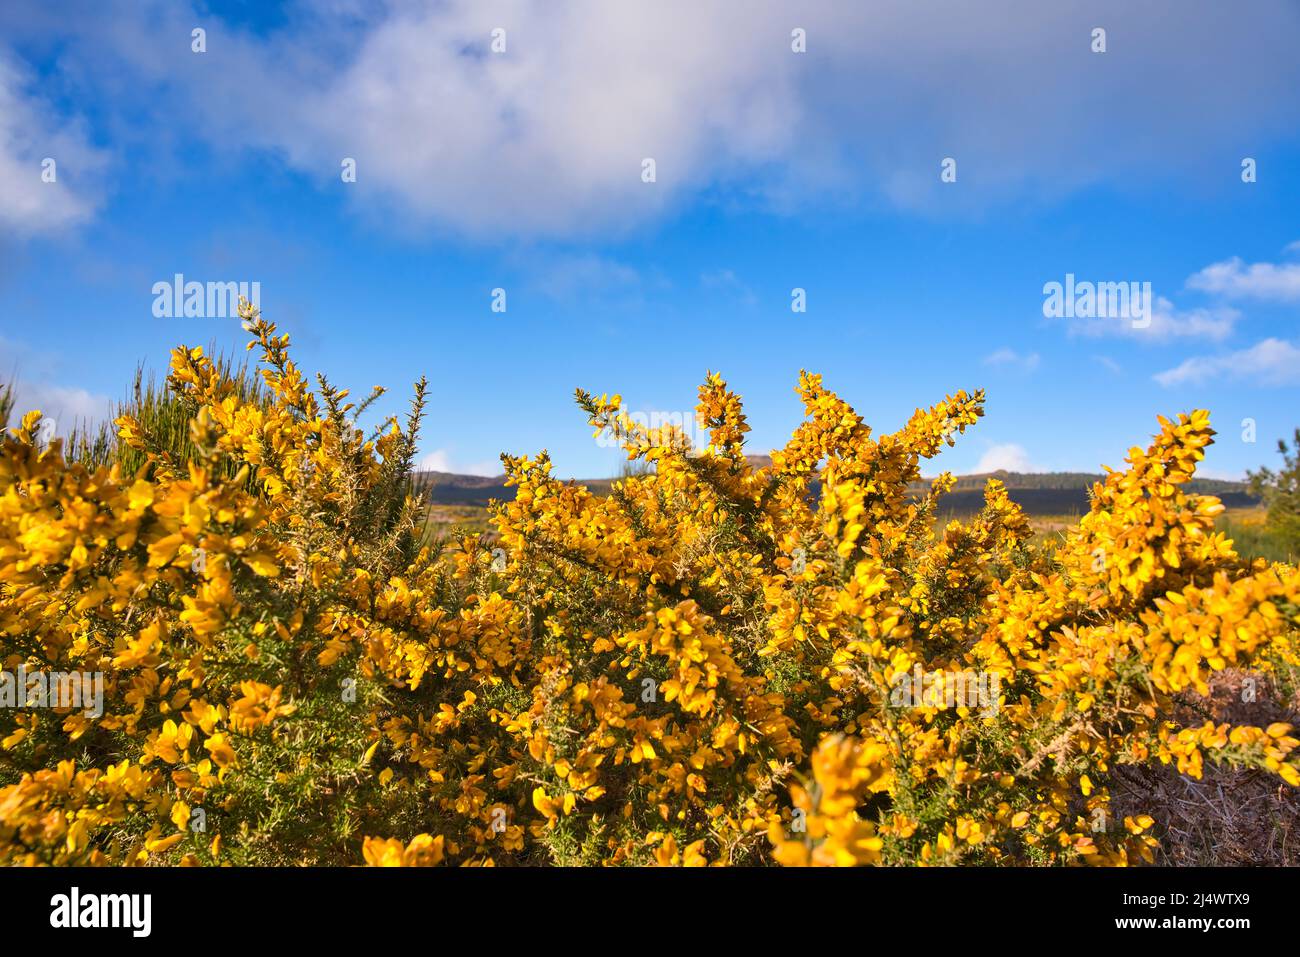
x=163, y=413
x=1256, y=539
x=1280, y=491
x=6, y=403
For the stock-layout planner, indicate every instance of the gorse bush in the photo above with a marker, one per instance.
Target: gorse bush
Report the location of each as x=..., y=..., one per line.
x=712, y=664
x=161, y=414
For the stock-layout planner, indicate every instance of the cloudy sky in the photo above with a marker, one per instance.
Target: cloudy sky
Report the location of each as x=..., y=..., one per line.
x=502, y=145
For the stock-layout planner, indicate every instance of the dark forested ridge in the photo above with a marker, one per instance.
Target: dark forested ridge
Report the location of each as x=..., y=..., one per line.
x=1039, y=493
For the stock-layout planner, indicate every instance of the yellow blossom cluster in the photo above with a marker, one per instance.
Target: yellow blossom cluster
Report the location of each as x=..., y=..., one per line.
x=715, y=663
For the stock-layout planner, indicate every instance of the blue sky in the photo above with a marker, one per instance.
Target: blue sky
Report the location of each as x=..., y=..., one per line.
x=522, y=170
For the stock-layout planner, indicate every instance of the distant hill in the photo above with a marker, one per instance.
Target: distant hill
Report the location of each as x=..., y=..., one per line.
x=1062, y=493
x=1038, y=493
x=448, y=488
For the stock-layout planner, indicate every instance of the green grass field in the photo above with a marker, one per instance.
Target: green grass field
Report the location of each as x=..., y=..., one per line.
x=1252, y=537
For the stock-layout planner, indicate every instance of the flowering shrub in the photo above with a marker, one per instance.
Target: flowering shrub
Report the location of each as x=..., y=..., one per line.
x=705, y=666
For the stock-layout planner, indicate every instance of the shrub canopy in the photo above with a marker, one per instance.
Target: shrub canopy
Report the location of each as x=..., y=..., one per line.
x=713, y=664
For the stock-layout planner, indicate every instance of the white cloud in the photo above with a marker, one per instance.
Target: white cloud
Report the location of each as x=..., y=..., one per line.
x=583, y=276
x=29, y=135
x=1011, y=358
x=1167, y=322
x=439, y=460
x=435, y=461
x=547, y=138
x=1269, y=362
x=1008, y=457
x=1109, y=363
x=68, y=407
x=726, y=280
x=34, y=378
x=1236, y=279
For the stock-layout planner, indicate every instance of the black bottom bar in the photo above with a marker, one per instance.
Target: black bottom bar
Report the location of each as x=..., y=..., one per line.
x=494, y=907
